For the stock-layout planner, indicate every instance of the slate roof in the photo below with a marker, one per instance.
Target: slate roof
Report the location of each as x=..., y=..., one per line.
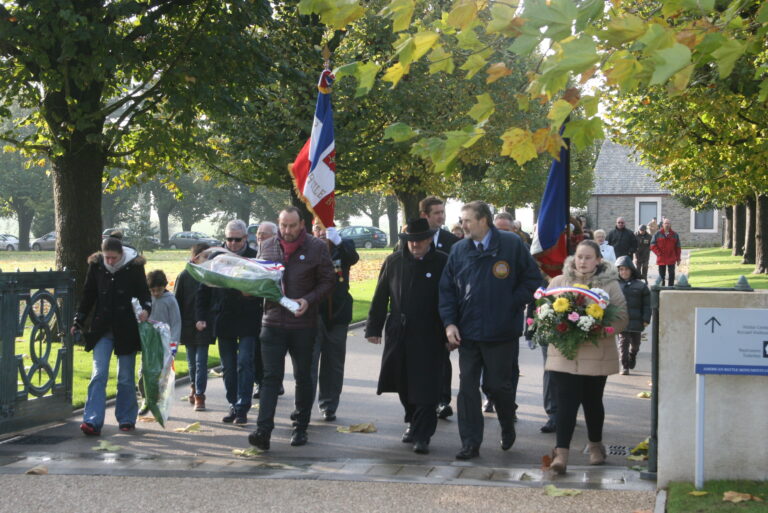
x=618, y=172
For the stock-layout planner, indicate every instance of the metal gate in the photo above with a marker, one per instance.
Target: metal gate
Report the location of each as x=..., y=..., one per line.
x=35, y=348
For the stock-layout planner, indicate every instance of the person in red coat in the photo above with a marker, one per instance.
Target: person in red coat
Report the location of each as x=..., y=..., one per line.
x=666, y=245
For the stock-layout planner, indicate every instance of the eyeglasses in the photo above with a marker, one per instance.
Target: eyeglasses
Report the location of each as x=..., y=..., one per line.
x=234, y=239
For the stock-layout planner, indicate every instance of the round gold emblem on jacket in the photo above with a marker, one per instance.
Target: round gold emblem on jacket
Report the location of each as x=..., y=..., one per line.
x=501, y=269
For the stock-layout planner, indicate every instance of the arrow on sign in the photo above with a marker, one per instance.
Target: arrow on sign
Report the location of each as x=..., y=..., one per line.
x=712, y=320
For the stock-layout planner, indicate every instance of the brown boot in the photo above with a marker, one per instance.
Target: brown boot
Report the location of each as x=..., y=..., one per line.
x=596, y=453
x=191, y=394
x=199, y=402
x=559, y=460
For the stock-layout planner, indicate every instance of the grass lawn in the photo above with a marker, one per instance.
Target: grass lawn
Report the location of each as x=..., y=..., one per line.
x=679, y=501
x=83, y=362
x=715, y=267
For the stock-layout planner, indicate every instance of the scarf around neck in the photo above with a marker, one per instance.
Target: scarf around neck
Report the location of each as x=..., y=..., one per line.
x=289, y=248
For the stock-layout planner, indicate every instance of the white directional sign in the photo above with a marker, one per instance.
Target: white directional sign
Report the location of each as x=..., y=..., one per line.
x=732, y=341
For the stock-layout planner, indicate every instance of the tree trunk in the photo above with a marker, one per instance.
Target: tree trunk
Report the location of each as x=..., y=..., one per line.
x=761, y=235
x=409, y=200
x=186, y=223
x=739, y=213
x=77, y=200
x=25, y=216
x=728, y=228
x=244, y=213
x=392, y=218
x=107, y=212
x=162, y=218
x=749, y=233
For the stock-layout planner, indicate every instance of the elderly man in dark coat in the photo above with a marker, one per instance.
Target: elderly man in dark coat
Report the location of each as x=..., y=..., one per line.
x=414, y=339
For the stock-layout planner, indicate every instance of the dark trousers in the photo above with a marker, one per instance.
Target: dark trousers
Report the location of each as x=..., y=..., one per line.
x=328, y=357
x=421, y=418
x=275, y=344
x=237, y=361
x=574, y=391
x=258, y=364
x=445, y=389
x=642, y=268
x=498, y=362
x=550, y=396
x=663, y=272
x=629, y=345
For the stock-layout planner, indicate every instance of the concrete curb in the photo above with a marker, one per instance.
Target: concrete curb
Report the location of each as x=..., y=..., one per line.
x=661, y=502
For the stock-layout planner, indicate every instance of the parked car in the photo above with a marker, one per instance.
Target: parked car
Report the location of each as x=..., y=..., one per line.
x=365, y=236
x=46, y=242
x=152, y=242
x=185, y=240
x=8, y=242
x=251, y=235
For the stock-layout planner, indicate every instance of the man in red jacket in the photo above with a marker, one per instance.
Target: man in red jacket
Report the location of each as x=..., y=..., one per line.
x=666, y=245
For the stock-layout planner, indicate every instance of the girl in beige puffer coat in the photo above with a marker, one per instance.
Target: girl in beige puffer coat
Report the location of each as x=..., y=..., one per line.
x=581, y=381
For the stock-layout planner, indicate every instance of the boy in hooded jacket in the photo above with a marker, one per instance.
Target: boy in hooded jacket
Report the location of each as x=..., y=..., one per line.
x=639, y=308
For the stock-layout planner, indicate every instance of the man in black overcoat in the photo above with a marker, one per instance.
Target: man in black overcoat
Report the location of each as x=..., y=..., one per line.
x=404, y=308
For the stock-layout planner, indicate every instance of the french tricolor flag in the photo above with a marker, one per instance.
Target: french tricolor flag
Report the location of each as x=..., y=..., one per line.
x=550, y=242
x=314, y=170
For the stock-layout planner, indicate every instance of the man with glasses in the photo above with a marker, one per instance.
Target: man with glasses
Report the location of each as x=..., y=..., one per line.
x=236, y=323
x=622, y=240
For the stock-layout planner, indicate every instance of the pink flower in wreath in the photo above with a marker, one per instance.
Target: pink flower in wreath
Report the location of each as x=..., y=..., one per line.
x=609, y=330
x=573, y=316
x=529, y=321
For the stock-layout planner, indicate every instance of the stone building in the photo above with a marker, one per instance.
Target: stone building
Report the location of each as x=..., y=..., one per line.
x=625, y=188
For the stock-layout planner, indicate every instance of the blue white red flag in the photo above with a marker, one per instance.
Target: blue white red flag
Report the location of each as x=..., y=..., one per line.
x=550, y=242
x=314, y=170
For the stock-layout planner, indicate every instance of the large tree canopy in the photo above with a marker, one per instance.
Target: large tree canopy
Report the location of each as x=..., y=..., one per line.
x=627, y=45
x=123, y=83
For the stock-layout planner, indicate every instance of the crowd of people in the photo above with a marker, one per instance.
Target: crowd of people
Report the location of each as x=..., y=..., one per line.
x=467, y=290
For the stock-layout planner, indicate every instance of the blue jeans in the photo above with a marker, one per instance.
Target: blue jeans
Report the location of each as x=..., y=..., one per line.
x=126, y=406
x=237, y=360
x=197, y=360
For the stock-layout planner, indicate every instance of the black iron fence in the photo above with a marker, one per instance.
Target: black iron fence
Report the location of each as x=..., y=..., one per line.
x=36, y=312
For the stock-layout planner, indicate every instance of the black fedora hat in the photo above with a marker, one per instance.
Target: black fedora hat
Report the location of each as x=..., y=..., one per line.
x=417, y=229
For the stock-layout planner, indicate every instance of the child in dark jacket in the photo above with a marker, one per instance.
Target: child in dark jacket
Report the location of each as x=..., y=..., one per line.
x=639, y=308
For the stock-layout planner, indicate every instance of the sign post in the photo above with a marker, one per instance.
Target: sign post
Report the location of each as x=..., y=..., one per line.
x=728, y=341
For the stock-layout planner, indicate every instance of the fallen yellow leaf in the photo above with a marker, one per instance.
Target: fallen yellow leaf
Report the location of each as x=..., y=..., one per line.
x=553, y=491
x=247, y=453
x=37, y=471
x=637, y=457
x=147, y=419
x=644, y=395
x=737, y=497
x=698, y=493
x=366, y=427
x=191, y=428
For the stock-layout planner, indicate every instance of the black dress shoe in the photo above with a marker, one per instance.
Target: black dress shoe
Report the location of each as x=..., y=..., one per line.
x=421, y=447
x=329, y=416
x=468, y=452
x=407, y=436
x=259, y=439
x=299, y=437
x=230, y=418
x=256, y=391
x=241, y=420
x=444, y=411
x=549, y=427
x=508, y=438
x=488, y=406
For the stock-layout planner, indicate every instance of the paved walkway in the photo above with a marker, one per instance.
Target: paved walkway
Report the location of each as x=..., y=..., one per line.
x=354, y=469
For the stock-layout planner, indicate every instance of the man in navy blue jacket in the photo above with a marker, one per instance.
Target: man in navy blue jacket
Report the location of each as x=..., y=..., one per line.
x=489, y=278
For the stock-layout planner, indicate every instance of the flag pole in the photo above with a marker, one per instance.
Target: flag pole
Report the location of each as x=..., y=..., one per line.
x=568, y=191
